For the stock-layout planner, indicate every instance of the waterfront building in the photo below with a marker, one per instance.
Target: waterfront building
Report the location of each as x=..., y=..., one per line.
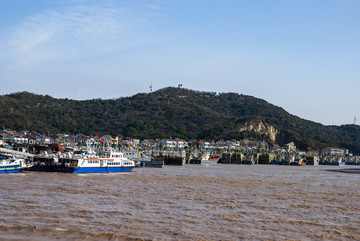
x=149, y=143
x=19, y=139
x=334, y=151
x=173, y=143
x=290, y=147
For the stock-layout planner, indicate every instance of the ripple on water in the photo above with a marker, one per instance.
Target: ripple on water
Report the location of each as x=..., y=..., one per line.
x=221, y=202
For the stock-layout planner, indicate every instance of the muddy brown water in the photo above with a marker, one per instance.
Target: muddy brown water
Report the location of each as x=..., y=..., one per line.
x=194, y=202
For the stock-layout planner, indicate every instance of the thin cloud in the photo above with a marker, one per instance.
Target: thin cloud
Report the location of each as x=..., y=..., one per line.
x=76, y=31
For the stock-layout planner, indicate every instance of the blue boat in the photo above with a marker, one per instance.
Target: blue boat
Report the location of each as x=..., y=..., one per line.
x=12, y=165
x=113, y=162
x=338, y=161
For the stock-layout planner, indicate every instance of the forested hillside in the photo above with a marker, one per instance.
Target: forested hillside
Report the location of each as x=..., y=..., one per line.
x=173, y=112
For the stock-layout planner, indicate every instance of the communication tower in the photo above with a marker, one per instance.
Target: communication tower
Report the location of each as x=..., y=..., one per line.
x=151, y=88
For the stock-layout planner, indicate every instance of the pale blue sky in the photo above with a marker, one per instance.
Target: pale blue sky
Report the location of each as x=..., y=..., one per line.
x=301, y=55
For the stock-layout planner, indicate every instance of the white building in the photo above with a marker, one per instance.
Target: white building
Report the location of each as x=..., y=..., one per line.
x=290, y=147
x=334, y=151
x=205, y=144
x=17, y=139
x=149, y=143
x=172, y=143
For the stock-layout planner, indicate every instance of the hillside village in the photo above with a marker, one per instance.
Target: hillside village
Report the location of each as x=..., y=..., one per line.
x=171, y=112
x=36, y=143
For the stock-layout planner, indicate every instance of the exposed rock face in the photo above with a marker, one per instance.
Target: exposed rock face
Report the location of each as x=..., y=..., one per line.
x=260, y=127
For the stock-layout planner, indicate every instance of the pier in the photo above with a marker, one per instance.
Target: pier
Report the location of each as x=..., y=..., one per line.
x=8, y=152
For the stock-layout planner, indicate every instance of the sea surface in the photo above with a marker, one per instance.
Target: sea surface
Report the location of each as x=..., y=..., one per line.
x=193, y=202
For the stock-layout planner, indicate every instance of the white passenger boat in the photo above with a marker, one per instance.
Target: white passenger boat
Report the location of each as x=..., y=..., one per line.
x=12, y=165
x=108, y=162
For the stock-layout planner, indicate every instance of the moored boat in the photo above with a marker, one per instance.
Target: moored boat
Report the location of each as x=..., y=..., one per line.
x=177, y=158
x=12, y=165
x=249, y=160
x=288, y=159
x=312, y=160
x=266, y=158
x=111, y=162
x=205, y=159
x=277, y=160
x=143, y=160
x=174, y=160
x=338, y=161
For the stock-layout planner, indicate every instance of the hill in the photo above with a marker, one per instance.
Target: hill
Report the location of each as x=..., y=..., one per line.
x=173, y=112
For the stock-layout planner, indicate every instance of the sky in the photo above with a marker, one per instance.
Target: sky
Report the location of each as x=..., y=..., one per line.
x=301, y=55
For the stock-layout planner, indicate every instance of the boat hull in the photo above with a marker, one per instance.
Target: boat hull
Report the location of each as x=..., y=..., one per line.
x=177, y=161
x=17, y=170
x=275, y=162
x=209, y=162
x=81, y=169
x=203, y=162
x=312, y=163
x=248, y=162
x=194, y=161
x=154, y=163
x=39, y=168
x=338, y=164
x=102, y=169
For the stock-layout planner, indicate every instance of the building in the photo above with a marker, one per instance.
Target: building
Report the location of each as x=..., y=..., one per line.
x=334, y=151
x=173, y=143
x=290, y=147
x=149, y=143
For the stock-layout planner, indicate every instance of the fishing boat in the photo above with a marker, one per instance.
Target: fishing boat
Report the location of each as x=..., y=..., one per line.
x=338, y=161
x=276, y=160
x=109, y=162
x=266, y=158
x=177, y=158
x=298, y=161
x=206, y=159
x=249, y=160
x=288, y=159
x=143, y=160
x=312, y=160
x=12, y=165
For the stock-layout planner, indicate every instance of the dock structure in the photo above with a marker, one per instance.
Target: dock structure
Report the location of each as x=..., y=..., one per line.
x=266, y=158
x=154, y=163
x=236, y=158
x=7, y=152
x=177, y=158
x=174, y=160
x=232, y=158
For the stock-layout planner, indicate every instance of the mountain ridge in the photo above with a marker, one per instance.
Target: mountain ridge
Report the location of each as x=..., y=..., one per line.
x=174, y=112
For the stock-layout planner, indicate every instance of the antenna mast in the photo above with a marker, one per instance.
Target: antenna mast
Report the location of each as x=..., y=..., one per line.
x=151, y=88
